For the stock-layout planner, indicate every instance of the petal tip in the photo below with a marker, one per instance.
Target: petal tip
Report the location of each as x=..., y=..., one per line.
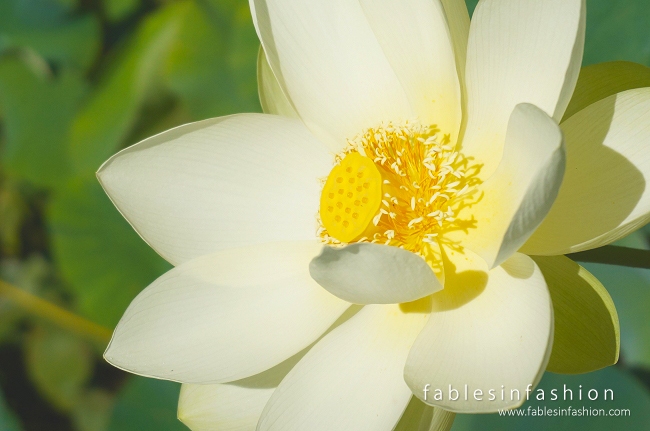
x=364, y=273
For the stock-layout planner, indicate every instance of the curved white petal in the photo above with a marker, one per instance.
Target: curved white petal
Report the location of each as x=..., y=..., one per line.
x=605, y=193
x=222, y=406
x=220, y=183
x=485, y=331
x=272, y=98
x=518, y=196
x=225, y=316
x=365, y=273
x=458, y=22
x=330, y=64
x=238, y=405
x=525, y=51
x=234, y=406
x=352, y=379
x=418, y=44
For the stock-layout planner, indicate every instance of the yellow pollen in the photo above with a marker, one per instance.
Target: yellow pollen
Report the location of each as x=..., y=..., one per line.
x=351, y=197
x=399, y=185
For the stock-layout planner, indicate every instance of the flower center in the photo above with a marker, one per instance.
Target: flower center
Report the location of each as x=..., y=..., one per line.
x=351, y=197
x=396, y=185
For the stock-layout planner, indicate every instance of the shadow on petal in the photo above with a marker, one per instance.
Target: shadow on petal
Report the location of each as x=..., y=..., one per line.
x=461, y=286
x=602, y=187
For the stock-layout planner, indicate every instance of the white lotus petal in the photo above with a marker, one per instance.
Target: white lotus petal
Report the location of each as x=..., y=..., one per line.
x=220, y=183
x=225, y=316
x=234, y=406
x=605, y=193
x=485, y=331
x=528, y=51
x=222, y=406
x=458, y=22
x=352, y=379
x=422, y=417
x=417, y=42
x=366, y=273
x=238, y=405
x=520, y=193
x=330, y=64
x=272, y=98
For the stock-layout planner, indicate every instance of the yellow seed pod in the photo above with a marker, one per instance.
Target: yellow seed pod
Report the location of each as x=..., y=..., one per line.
x=351, y=197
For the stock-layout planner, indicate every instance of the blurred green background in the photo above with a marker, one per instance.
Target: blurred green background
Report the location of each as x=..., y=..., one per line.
x=80, y=79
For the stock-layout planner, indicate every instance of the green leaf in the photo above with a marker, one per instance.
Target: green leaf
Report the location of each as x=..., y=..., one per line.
x=628, y=394
x=602, y=80
x=106, y=263
x=147, y=405
x=587, y=334
x=93, y=411
x=46, y=28
x=31, y=275
x=8, y=421
x=38, y=112
x=117, y=10
x=212, y=66
x=106, y=121
x=471, y=5
x=617, y=30
x=59, y=364
x=13, y=209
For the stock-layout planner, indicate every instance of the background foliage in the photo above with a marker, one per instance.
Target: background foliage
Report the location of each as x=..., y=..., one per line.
x=80, y=79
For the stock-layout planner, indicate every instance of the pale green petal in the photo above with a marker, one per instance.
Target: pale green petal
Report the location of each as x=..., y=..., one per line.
x=422, y=417
x=630, y=292
x=366, y=273
x=416, y=417
x=587, y=333
x=526, y=51
x=225, y=316
x=599, y=81
x=442, y=420
x=605, y=193
x=272, y=98
x=352, y=379
x=220, y=183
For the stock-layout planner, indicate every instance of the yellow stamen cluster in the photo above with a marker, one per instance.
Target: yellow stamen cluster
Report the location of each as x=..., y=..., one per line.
x=424, y=184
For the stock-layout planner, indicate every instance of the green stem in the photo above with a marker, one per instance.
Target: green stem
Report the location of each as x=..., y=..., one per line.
x=615, y=255
x=55, y=314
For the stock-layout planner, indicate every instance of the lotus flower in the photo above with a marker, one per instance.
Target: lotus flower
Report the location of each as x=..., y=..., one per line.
x=407, y=163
